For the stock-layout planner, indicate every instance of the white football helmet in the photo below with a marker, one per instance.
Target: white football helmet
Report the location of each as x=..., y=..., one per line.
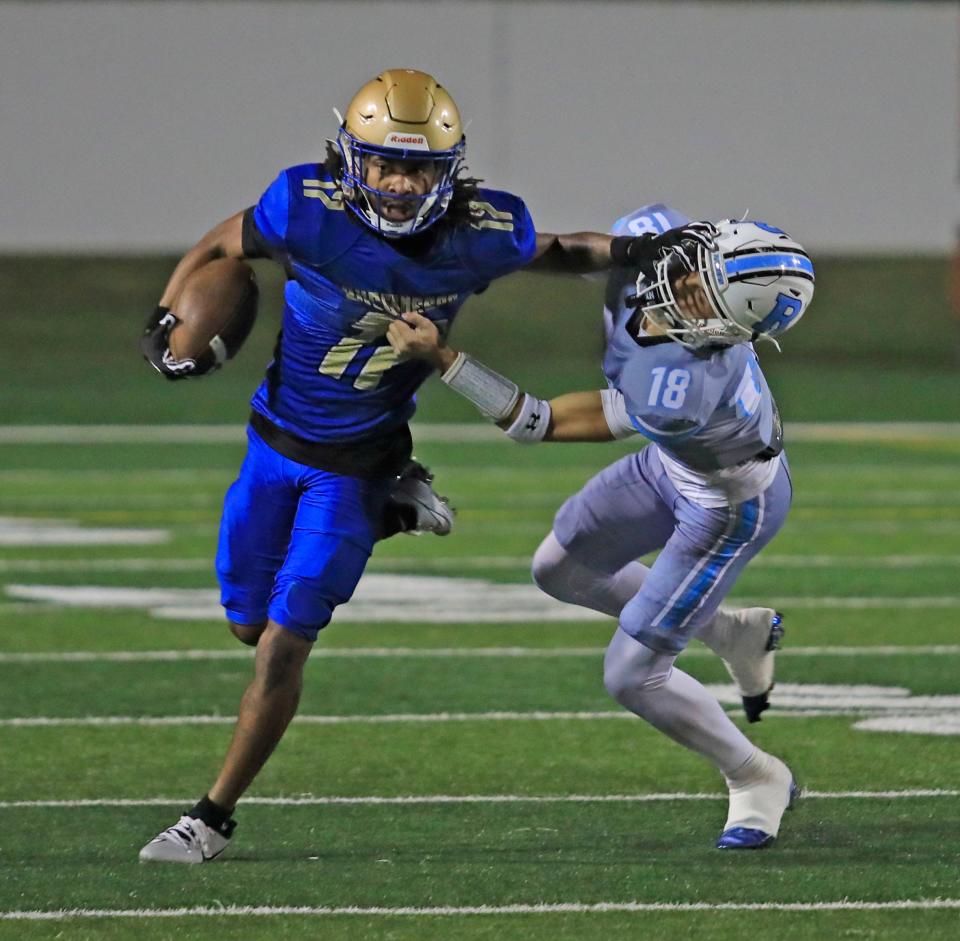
x=758, y=282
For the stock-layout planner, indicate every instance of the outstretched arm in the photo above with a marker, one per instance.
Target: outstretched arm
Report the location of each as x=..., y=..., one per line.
x=574, y=416
x=578, y=416
x=574, y=253
x=584, y=252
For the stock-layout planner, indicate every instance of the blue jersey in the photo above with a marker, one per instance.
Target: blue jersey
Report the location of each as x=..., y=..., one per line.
x=335, y=378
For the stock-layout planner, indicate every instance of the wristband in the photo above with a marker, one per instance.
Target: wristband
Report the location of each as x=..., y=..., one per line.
x=531, y=424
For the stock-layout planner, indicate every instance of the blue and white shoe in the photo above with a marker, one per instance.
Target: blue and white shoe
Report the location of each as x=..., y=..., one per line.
x=758, y=805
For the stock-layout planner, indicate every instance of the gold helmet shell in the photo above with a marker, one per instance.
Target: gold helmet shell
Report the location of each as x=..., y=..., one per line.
x=403, y=115
x=405, y=109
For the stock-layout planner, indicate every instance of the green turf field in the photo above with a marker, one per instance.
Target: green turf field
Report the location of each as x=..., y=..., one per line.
x=457, y=770
x=101, y=751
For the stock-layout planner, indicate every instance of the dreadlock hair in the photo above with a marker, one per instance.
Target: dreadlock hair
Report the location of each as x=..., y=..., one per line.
x=465, y=190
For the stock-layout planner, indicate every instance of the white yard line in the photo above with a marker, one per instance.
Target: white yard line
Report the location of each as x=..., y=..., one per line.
x=508, y=562
x=855, y=561
x=106, y=565
x=426, y=799
x=389, y=719
x=436, y=431
x=853, y=603
x=219, y=911
x=122, y=434
x=430, y=653
x=826, y=711
x=414, y=599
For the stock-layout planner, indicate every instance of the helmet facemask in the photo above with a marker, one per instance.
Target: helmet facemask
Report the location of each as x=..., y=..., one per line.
x=366, y=201
x=757, y=282
x=401, y=115
x=658, y=301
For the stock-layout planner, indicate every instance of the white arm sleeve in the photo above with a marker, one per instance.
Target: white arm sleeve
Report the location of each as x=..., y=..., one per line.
x=615, y=412
x=493, y=394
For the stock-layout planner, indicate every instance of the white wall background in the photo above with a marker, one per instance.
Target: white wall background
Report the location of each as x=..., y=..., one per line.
x=136, y=126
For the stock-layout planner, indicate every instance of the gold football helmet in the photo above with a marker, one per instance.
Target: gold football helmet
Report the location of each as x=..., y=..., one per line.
x=403, y=115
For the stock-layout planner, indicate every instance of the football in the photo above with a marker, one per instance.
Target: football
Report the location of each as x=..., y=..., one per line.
x=216, y=309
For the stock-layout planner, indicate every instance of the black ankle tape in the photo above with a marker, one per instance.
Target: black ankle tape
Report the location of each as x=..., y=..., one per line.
x=213, y=815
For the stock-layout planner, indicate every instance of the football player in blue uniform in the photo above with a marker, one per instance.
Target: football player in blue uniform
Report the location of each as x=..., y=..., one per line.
x=388, y=225
x=709, y=492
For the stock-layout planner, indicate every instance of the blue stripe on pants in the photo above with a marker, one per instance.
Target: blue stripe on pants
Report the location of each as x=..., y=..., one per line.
x=744, y=527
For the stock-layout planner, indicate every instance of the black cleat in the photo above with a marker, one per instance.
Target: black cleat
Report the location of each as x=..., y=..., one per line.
x=414, y=507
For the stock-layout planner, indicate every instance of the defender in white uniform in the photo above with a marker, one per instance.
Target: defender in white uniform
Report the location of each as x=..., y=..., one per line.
x=710, y=491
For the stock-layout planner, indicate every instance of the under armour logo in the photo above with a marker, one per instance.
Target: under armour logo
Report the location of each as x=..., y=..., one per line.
x=534, y=420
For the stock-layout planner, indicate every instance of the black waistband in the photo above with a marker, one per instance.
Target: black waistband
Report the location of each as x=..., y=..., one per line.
x=382, y=455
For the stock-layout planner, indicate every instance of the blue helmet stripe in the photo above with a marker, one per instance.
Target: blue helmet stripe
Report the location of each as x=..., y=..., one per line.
x=786, y=261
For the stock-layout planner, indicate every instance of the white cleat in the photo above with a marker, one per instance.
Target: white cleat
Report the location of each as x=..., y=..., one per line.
x=757, y=804
x=746, y=640
x=415, y=507
x=189, y=840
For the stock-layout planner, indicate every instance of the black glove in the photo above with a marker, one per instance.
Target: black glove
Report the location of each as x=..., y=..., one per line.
x=644, y=251
x=155, y=347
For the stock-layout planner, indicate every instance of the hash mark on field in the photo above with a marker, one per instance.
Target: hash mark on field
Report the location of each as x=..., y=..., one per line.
x=417, y=799
x=26, y=531
x=519, y=909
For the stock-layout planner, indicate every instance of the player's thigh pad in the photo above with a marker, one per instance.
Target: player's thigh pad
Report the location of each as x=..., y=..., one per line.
x=333, y=534
x=700, y=563
x=618, y=515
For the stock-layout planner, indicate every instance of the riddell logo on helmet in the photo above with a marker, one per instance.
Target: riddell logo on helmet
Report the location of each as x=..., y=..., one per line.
x=416, y=141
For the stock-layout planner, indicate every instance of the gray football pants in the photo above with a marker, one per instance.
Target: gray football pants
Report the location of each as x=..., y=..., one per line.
x=631, y=508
